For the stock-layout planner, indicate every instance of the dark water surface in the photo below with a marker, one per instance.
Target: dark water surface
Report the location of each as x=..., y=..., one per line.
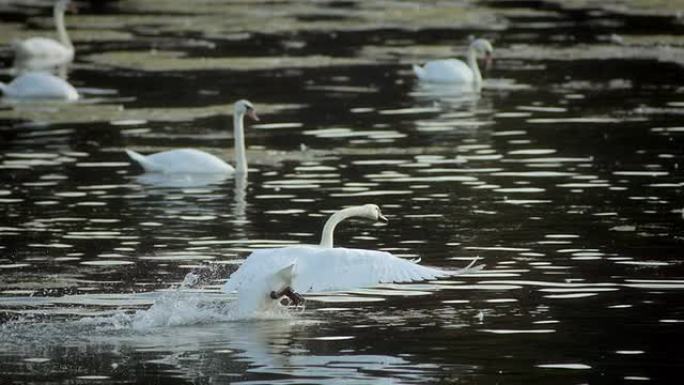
x=563, y=176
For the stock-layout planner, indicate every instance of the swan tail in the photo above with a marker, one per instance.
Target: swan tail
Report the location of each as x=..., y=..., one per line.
x=420, y=71
x=3, y=88
x=141, y=160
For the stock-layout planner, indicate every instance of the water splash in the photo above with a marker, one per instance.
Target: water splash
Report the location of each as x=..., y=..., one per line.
x=178, y=308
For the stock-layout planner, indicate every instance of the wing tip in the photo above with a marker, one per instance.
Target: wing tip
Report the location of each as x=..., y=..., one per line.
x=472, y=263
x=471, y=268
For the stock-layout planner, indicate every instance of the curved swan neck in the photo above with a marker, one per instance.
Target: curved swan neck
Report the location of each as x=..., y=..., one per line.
x=61, y=29
x=331, y=223
x=239, y=137
x=472, y=63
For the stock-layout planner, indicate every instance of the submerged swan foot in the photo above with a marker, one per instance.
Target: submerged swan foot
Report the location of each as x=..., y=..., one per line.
x=295, y=298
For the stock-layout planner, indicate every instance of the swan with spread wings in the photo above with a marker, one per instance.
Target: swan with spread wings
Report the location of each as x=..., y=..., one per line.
x=271, y=274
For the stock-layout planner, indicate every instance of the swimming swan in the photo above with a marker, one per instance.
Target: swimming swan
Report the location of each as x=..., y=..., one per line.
x=191, y=161
x=39, y=85
x=456, y=71
x=269, y=274
x=45, y=49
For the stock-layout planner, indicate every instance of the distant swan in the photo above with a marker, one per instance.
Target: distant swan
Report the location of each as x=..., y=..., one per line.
x=191, y=161
x=44, y=49
x=39, y=85
x=456, y=71
x=269, y=274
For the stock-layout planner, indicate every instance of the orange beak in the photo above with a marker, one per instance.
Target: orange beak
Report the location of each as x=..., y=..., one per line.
x=489, y=59
x=252, y=115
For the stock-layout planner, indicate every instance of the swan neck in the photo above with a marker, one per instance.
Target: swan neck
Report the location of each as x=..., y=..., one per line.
x=239, y=137
x=472, y=63
x=61, y=28
x=331, y=223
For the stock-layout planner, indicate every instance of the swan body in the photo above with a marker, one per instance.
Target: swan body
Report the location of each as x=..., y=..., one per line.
x=445, y=71
x=44, y=50
x=181, y=161
x=48, y=50
x=454, y=70
x=267, y=274
x=39, y=85
x=191, y=161
x=309, y=269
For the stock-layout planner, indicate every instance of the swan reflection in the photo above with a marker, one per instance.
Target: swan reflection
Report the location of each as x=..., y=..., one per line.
x=240, y=202
x=179, y=180
x=284, y=350
x=280, y=351
x=452, y=94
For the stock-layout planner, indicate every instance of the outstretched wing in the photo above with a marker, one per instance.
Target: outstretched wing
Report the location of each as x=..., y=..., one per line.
x=318, y=269
x=346, y=269
x=259, y=266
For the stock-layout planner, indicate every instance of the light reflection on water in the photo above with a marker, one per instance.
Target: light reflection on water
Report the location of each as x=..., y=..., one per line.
x=562, y=175
x=187, y=332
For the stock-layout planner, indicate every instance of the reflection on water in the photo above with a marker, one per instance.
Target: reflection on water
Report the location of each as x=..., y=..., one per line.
x=41, y=64
x=179, y=180
x=562, y=174
x=454, y=95
x=189, y=337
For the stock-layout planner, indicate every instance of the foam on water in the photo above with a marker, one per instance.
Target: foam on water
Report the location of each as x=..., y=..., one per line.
x=170, y=309
x=177, y=308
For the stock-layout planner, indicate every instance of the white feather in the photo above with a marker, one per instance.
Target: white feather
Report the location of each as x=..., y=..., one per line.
x=41, y=52
x=191, y=161
x=320, y=269
x=39, y=85
x=448, y=70
x=454, y=70
x=313, y=269
x=186, y=160
x=43, y=48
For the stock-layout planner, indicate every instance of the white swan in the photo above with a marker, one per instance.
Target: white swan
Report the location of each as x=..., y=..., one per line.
x=456, y=71
x=269, y=274
x=41, y=49
x=191, y=161
x=39, y=85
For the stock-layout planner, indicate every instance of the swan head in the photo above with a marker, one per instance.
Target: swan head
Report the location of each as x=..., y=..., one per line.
x=368, y=211
x=373, y=212
x=483, y=48
x=245, y=107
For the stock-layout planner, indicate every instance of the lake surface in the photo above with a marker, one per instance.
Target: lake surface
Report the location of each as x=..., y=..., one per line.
x=563, y=176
